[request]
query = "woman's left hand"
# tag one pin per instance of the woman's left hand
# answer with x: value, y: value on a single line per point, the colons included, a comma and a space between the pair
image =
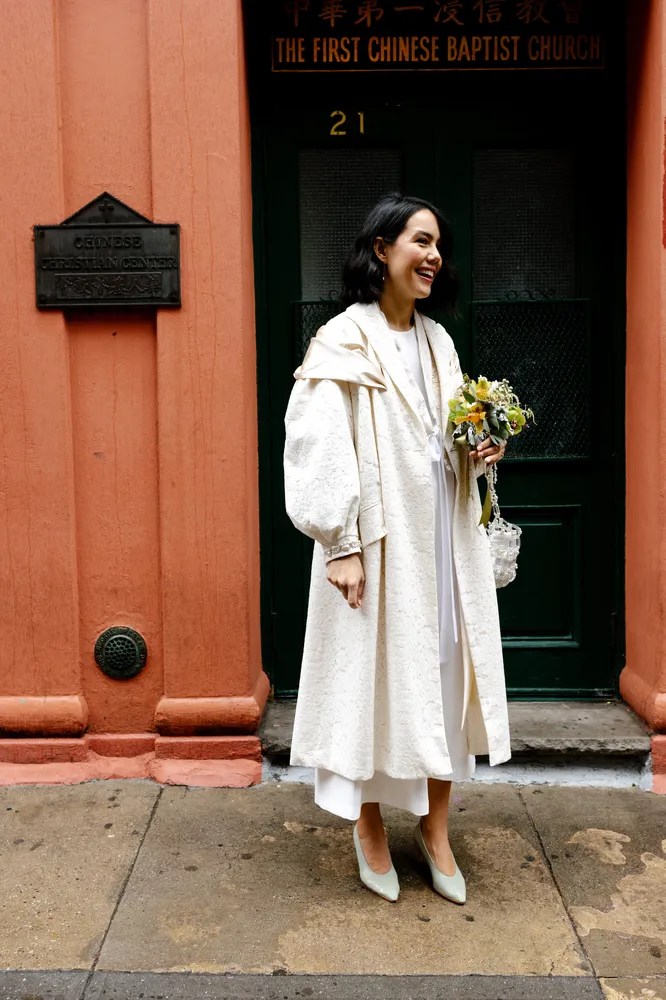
x: 490, y: 452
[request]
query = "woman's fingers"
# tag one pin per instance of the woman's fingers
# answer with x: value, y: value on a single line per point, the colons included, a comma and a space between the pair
x: 355, y: 593
x: 496, y: 454
x: 352, y: 595
x: 352, y: 591
x: 491, y: 453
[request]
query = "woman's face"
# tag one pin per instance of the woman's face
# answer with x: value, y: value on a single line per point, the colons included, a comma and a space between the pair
x: 413, y: 260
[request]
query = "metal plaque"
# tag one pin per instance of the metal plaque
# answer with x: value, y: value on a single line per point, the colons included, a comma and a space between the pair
x: 107, y: 255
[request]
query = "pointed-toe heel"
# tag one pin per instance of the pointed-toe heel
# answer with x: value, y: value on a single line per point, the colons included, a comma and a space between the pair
x: 385, y: 885
x: 450, y: 886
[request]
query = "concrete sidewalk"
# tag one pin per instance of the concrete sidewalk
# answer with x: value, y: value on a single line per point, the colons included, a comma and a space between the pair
x: 125, y: 889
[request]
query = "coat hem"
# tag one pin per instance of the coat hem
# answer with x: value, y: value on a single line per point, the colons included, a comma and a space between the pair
x: 300, y: 760
x: 495, y: 757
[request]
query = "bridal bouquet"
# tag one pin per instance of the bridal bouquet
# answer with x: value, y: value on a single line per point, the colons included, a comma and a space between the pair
x: 483, y: 409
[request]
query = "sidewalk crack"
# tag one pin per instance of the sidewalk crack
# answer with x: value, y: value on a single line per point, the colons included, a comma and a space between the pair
x: 121, y: 894
x: 571, y: 920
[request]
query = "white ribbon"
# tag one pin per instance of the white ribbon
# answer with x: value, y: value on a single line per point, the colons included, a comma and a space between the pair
x: 435, y: 445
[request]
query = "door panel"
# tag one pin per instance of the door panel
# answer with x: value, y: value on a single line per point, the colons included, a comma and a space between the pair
x: 552, y: 537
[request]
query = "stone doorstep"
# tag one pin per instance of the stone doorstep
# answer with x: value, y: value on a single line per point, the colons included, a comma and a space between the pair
x: 541, y: 732
x: 538, y: 729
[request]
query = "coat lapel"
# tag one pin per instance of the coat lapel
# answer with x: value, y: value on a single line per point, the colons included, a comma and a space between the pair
x: 370, y: 319
x: 446, y: 381
x: 426, y: 365
x: 447, y: 385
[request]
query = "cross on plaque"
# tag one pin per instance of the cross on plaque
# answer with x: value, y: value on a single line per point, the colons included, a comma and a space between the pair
x: 106, y: 207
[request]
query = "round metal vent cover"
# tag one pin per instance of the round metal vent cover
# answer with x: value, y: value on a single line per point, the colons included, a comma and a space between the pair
x: 120, y: 652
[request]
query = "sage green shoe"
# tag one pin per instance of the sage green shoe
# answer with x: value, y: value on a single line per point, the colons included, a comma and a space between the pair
x: 385, y: 885
x: 450, y: 886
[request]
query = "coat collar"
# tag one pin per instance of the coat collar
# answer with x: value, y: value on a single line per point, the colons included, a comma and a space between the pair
x: 324, y: 360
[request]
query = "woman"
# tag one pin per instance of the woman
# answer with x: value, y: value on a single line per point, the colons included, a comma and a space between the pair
x: 402, y: 679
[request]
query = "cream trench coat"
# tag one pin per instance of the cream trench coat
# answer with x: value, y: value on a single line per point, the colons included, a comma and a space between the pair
x: 358, y: 478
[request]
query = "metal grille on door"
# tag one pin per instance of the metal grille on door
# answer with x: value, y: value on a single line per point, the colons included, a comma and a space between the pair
x: 526, y: 318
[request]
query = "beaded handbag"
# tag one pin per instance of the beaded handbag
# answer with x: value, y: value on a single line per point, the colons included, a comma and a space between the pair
x: 503, y: 536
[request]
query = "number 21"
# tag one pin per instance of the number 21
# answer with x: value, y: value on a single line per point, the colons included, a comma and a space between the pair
x: 339, y: 119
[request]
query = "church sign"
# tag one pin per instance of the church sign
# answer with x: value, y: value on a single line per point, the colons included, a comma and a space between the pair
x: 364, y: 35
x: 107, y: 255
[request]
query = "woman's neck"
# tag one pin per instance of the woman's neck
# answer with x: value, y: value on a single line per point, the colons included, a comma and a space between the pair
x: 399, y: 313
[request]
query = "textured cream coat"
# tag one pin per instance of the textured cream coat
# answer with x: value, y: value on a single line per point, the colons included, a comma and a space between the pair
x: 358, y: 476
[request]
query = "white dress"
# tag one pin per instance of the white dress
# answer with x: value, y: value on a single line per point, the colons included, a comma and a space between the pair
x: 344, y: 797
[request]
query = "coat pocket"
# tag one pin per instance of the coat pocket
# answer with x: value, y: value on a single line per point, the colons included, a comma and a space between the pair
x: 371, y: 525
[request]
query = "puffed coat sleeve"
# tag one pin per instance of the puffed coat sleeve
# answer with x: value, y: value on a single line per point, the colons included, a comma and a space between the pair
x: 321, y: 476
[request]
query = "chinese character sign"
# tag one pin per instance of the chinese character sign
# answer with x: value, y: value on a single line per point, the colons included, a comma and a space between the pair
x: 361, y: 35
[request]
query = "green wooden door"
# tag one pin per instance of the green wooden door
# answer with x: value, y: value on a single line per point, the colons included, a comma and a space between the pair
x: 538, y: 225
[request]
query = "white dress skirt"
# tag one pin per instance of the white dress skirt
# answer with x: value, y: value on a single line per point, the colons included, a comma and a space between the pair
x: 344, y: 797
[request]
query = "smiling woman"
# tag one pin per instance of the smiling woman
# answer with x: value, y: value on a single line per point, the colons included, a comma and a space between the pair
x: 402, y: 678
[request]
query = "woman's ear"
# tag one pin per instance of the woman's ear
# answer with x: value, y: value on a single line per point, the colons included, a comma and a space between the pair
x: 380, y: 248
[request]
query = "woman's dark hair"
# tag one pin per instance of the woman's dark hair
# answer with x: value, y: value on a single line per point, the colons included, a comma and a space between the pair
x: 363, y: 272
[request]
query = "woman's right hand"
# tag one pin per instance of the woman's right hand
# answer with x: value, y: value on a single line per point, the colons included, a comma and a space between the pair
x: 348, y: 576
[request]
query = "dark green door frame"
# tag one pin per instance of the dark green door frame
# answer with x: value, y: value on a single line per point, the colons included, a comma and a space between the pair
x: 439, y: 147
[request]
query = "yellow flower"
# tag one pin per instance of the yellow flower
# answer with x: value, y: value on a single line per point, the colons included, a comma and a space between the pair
x: 483, y: 389
x: 475, y: 415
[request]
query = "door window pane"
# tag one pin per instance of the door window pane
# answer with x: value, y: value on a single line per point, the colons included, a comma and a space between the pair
x: 338, y: 187
x: 524, y: 224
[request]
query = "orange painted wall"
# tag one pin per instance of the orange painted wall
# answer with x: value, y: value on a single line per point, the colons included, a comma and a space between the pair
x: 39, y: 612
x: 105, y: 143
x: 643, y: 681
x: 206, y: 361
x: 128, y: 440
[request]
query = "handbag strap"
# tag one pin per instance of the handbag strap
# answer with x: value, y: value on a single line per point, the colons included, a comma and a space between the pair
x: 491, y: 503
x: 491, y: 479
